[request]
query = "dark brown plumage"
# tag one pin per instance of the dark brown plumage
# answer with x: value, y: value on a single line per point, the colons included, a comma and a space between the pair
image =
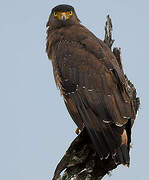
x: 92, y: 84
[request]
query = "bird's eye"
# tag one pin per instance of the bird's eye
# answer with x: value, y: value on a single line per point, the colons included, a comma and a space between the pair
x: 70, y: 12
x: 55, y: 13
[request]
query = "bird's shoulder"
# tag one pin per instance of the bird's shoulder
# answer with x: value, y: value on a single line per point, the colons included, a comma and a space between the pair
x: 79, y: 35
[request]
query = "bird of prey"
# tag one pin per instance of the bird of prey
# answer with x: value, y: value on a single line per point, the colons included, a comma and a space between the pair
x: 92, y: 84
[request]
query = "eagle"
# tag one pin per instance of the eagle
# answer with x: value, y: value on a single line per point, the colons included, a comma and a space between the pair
x: 92, y: 84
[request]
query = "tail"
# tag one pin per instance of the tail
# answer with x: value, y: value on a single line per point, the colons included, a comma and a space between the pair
x: 122, y: 155
x: 114, y: 143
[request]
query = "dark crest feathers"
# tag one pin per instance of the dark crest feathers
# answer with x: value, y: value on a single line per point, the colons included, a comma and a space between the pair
x: 63, y: 8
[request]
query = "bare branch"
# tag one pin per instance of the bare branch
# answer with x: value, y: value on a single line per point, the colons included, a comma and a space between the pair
x: 108, y: 32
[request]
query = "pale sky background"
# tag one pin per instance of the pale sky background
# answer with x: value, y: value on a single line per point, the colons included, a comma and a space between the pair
x: 35, y: 127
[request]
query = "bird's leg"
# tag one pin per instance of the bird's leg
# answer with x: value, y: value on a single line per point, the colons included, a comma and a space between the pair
x: 124, y: 137
x: 77, y: 131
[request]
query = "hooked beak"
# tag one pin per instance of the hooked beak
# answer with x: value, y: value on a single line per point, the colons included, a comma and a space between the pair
x: 63, y: 17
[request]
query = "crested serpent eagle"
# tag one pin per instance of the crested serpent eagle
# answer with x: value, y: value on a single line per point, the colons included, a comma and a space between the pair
x: 92, y: 84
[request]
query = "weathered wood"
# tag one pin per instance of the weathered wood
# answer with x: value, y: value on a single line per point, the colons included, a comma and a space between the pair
x: 80, y: 161
x: 108, y: 32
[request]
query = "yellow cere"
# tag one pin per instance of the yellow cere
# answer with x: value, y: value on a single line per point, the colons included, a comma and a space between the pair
x: 59, y: 15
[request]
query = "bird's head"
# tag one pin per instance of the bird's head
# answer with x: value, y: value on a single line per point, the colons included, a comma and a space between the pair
x: 62, y: 15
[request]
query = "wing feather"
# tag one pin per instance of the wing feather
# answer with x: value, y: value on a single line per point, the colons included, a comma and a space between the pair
x: 94, y: 90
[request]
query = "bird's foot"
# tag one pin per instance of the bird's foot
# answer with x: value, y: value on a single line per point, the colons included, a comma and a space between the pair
x: 77, y: 131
